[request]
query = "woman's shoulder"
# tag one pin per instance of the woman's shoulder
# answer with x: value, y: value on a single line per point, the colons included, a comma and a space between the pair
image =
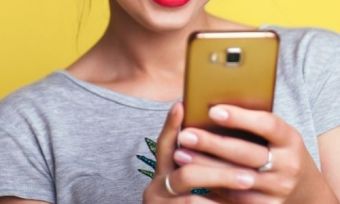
x: 303, y: 33
x: 313, y: 52
x: 31, y: 97
x: 307, y: 41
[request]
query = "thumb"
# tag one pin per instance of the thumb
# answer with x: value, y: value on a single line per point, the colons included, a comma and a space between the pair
x: 167, y: 141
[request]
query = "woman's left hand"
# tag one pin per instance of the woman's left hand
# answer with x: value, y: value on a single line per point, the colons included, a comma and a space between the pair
x: 293, y: 172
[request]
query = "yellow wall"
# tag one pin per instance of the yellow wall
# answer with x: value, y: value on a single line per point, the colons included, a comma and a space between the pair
x: 39, y: 36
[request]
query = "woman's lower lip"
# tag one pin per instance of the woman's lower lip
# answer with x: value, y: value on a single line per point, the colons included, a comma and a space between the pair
x: 171, y: 3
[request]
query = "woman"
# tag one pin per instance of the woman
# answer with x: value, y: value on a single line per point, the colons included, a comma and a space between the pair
x: 86, y: 135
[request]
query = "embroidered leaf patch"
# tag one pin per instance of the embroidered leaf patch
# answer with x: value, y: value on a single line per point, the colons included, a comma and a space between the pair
x: 147, y: 173
x: 147, y: 161
x: 152, y: 145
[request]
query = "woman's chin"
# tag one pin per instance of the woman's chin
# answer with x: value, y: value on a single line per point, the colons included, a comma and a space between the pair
x: 165, y: 26
x: 162, y: 22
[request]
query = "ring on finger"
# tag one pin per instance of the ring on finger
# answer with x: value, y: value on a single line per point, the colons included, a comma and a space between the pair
x: 168, y: 186
x: 269, y: 164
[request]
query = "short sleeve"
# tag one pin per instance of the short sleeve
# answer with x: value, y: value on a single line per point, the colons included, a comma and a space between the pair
x: 324, y: 83
x: 24, y: 172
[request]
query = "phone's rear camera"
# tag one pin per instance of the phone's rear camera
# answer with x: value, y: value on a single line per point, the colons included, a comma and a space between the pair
x: 233, y: 56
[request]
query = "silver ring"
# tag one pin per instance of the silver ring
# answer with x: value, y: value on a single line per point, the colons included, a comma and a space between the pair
x: 269, y: 164
x: 168, y: 186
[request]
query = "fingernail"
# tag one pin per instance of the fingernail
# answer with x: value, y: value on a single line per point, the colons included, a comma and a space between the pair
x: 245, y: 179
x: 218, y: 113
x: 187, y: 138
x: 182, y: 157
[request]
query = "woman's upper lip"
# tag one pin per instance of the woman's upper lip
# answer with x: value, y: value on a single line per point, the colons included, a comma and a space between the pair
x: 171, y: 3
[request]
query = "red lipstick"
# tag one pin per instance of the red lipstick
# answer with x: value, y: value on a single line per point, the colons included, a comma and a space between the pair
x: 171, y: 3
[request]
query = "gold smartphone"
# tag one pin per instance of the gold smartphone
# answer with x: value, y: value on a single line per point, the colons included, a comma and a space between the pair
x: 237, y: 68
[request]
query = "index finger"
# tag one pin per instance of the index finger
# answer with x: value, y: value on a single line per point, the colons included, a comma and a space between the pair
x: 261, y: 123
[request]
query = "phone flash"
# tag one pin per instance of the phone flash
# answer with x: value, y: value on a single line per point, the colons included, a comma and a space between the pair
x: 214, y: 58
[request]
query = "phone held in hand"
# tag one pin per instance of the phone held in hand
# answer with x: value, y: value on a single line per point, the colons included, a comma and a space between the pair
x: 236, y: 68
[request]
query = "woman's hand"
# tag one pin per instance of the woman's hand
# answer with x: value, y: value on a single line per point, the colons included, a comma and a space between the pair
x: 232, y: 175
x: 293, y: 178
x: 156, y: 192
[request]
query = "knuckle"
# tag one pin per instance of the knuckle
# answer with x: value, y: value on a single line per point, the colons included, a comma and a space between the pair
x: 271, y: 124
x: 287, y: 186
x: 294, y: 168
x: 297, y: 139
x: 274, y: 124
x: 294, y: 138
x: 185, y: 174
x: 263, y: 115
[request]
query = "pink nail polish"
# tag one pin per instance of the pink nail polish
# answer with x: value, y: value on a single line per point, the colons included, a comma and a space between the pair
x: 245, y: 180
x: 187, y: 138
x: 218, y: 113
x: 182, y: 157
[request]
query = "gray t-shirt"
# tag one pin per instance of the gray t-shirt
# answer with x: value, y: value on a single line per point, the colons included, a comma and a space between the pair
x: 65, y: 141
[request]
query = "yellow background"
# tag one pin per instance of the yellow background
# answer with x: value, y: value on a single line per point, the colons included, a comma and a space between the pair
x: 39, y: 36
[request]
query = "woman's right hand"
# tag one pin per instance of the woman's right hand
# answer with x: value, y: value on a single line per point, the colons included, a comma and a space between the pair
x: 156, y: 191
x: 186, y: 177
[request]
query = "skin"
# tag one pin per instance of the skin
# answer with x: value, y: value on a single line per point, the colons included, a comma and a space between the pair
x: 142, y: 54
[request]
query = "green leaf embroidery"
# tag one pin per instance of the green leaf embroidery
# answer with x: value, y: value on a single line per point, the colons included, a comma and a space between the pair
x: 152, y: 145
x: 147, y: 173
x: 152, y: 163
x: 147, y: 161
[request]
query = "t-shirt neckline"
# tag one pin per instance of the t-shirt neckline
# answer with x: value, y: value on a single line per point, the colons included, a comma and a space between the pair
x: 123, y: 99
x: 127, y: 100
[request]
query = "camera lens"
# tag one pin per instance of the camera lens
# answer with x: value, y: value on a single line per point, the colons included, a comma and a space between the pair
x: 233, y: 56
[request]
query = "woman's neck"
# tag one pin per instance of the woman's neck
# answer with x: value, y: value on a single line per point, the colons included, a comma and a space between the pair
x: 130, y: 56
x: 139, y: 49
x: 129, y: 48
